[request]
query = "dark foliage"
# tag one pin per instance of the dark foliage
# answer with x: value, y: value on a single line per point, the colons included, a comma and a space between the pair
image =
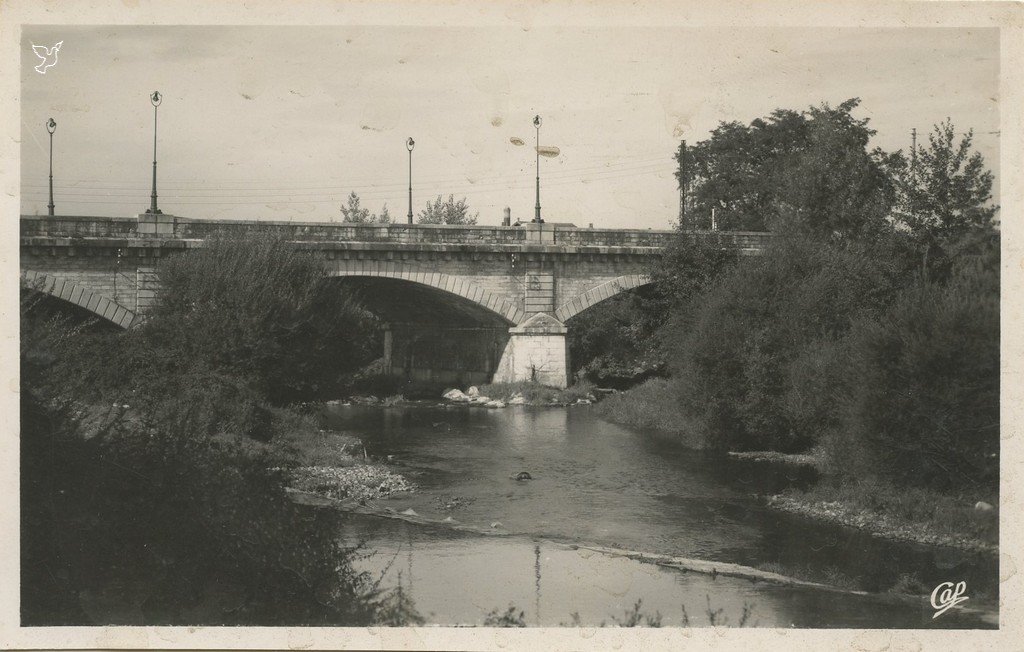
x: 921, y: 399
x: 618, y: 343
x: 269, y: 315
x: 753, y: 354
x: 147, y: 525
x: 152, y: 465
x: 808, y: 171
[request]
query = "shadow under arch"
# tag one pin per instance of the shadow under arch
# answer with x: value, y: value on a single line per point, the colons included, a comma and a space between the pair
x: 432, y: 334
x: 595, y: 295
x: 75, y: 294
x: 502, y: 307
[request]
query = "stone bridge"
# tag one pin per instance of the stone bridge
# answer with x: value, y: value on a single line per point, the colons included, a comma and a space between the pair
x: 462, y: 304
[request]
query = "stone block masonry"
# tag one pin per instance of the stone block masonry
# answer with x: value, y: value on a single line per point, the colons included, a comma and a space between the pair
x: 537, y: 351
x: 474, y: 301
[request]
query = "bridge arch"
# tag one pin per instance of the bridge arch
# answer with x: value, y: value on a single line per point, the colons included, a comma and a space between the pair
x: 75, y: 294
x: 503, y: 307
x: 595, y: 295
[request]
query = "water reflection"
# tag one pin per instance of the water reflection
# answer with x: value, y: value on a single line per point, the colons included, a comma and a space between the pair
x: 463, y: 578
x: 598, y: 483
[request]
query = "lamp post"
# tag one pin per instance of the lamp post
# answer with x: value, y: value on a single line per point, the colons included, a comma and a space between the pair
x: 536, y: 124
x: 51, y: 126
x: 409, y: 144
x: 155, y: 99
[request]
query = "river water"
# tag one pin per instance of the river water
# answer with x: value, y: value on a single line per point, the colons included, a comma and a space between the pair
x: 596, y: 484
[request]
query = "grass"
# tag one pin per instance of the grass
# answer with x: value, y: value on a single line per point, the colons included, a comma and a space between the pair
x: 312, y: 446
x: 537, y: 394
x: 904, y: 513
x: 652, y: 405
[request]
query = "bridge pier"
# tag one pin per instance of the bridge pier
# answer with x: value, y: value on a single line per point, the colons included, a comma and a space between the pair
x: 538, y: 351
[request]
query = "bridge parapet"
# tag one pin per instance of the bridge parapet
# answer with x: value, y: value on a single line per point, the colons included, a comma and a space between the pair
x: 67, y: 226
x: 169, y: 227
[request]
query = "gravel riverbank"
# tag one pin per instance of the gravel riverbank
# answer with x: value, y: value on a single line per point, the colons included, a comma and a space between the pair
x: 878, y: 524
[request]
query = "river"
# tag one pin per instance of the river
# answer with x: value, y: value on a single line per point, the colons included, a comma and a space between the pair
x: 598, y: 486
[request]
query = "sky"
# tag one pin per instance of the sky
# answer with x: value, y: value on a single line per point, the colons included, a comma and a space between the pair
x: 283, y: 122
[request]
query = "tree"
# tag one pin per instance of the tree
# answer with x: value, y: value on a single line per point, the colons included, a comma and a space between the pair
x: 943, y: 195
x: 354, y: 213
x: 806, y: 170
x: 449, y: 211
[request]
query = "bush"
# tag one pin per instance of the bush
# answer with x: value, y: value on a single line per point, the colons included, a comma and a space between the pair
x: 754, y: 360
x: 182, y: 481
x: 922, y: 401
x: 203, y: 522
x: 652, y: 405
x: 268, y: 314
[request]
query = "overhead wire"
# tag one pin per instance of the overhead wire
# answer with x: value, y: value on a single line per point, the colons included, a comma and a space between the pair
x: 198, y: 196
x: 198, y: 184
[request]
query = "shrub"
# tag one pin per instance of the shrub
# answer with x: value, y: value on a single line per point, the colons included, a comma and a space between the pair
x: 652, y: 405
x: 922, y: 401
x: 755, y: 359
x: 267, y: 314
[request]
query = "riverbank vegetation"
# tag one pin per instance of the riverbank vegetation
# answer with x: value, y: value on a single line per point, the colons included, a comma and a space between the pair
x: 866, y: 336
x: 156, y: 462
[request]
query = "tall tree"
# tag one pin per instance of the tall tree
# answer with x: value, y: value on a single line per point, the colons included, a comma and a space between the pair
x: 810, y: 170
x: 943, y: 195
x: 447, y: 211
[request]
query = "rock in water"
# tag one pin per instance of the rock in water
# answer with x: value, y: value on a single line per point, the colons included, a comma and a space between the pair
x: 494, y: 404
x: 497, y: 524
x: 473, y: 392
x: 409, y: 512
x: 523, y: 475
x: 982, y: 506
x: 517, y: 399
x: 456, y: 395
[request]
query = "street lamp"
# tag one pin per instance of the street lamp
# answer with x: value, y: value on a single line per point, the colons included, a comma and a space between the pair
x: 409, y: 144
x: 536, y: 124
x: 155, y: 98
x: 51, y: 126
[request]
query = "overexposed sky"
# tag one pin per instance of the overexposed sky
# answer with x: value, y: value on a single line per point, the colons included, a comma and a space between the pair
x: 282, y: 122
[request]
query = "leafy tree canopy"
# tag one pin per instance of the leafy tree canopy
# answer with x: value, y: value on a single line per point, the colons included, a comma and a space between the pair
x: 807, y: 170
x: 943, y: 196
x: 354, y: 212
x: 447, y: 211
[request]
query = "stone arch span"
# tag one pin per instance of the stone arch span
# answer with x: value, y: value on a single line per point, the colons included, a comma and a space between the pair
x: 595, y: 295
x: 75, y: 294
x: 503, y: 307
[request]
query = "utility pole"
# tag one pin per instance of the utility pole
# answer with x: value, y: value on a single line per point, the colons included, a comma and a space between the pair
x: 913, y: 149
x: 683, y: 182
